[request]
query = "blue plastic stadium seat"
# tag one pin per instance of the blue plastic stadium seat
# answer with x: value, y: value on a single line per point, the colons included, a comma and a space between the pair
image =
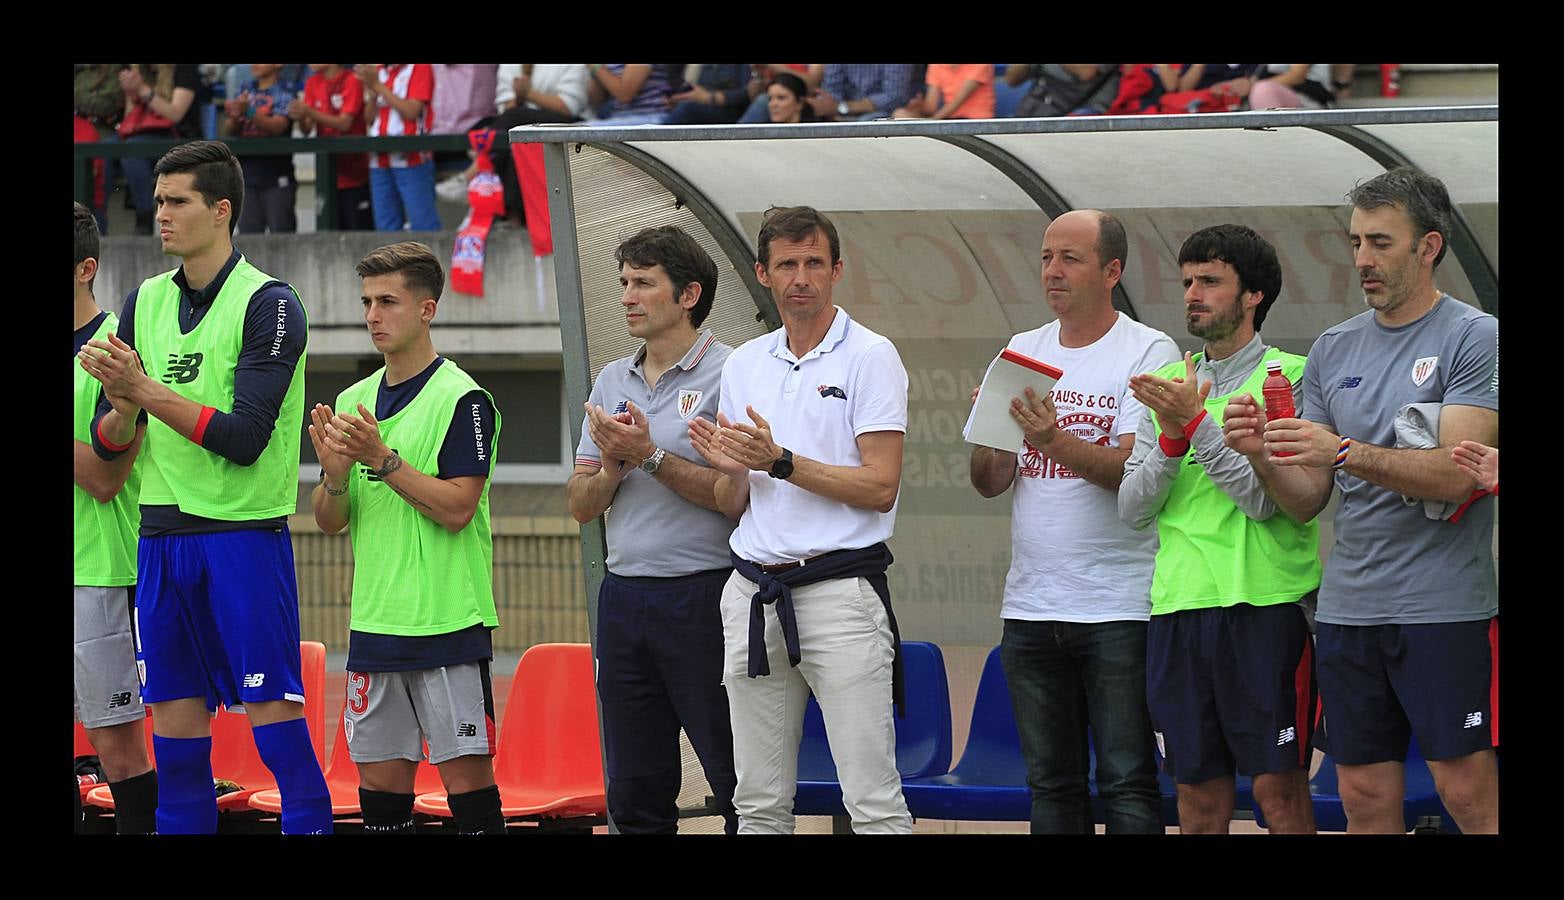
x: 989, y: 783
x: 923, y: 742
x: 1421, y: 801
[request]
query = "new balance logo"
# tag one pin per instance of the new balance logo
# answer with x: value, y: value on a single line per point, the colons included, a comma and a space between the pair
x: 1474, y: 720
x: 1350, y: 381
x: 120, y: 699
x: 182, y: 369
x: 467, y: 729
x: 254, y: 680
x: 1288, y: 735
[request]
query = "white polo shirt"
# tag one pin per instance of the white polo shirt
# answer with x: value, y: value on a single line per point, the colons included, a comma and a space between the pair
x: 851, y: 384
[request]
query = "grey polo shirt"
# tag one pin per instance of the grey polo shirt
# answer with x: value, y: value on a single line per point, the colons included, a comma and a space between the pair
x: 1392, y: 564
x: 653, y: 532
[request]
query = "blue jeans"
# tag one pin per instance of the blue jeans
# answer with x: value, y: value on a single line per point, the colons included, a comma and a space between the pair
x: 139, y: 181
x: 759, y: 112
x: 1062, y: 676
x: 409, y: 190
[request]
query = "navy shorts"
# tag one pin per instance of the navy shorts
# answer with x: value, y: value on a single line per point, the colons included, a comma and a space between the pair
x: 1383, y: 683
x: 217, y: 617
x: 1231, y: 687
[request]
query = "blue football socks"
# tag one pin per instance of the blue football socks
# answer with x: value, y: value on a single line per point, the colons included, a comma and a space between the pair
x: 285, y: 748
x: 186, y: 799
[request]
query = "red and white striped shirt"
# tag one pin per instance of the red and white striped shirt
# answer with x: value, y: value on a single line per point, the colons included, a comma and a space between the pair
x: 410, y: 82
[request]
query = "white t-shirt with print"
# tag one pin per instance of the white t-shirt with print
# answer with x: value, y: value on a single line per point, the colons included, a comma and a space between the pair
x: 1071, y: 558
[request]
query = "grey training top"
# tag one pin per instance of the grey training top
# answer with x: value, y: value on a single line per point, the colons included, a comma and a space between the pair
x: 1149, y: 473
x: 1392, y: 564
x: 652, y: 531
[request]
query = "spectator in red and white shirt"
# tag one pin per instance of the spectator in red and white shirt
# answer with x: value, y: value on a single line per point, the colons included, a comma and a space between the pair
x: 398, y: 100
x: 333, y: 104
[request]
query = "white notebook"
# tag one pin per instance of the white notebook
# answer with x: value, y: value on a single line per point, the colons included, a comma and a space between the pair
x: 1009, y: 375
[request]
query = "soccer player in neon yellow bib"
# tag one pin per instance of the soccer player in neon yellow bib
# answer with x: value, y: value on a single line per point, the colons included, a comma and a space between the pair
x: 108, y: 693
x: 406, y: 460
x: 217, y: 606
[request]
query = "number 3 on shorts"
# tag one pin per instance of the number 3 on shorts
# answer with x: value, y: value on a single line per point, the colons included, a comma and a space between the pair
x: 358, y: 692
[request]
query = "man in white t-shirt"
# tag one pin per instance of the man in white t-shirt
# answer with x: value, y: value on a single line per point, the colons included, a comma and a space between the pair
x: 808, y: 439
x: 1077, y: 597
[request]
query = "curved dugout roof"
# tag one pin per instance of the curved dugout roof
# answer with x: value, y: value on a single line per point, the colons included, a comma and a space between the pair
x: 941, y: 224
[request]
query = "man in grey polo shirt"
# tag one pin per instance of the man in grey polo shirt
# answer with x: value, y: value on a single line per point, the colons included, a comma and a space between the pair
x: 659, y: 626
x: 1408, y: 634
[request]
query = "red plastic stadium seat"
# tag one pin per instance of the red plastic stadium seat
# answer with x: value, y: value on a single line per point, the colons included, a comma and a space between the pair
x: 342, y: 780
x: 549, y: 759
x: 234, y: 756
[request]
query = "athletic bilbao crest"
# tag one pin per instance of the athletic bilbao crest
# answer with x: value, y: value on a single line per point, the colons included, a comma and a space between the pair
x: 688, y: 400
x: 1424, y: 368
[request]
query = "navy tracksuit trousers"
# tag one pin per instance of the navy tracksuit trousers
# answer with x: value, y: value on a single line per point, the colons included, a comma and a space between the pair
x: 659, y: 668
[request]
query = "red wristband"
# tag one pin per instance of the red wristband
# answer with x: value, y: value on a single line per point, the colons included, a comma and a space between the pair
x: 108, y: 443
x: 1174, y: 449
x: 1189, y: 430
x: 199, y: 433
x: 1180, y: 446
x: 1495, y: 489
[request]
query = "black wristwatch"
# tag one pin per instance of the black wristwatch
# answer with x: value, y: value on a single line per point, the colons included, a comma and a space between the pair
x: 783, y: 467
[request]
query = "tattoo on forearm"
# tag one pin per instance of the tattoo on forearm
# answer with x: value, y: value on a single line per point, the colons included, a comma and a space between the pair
x: 409, y: 497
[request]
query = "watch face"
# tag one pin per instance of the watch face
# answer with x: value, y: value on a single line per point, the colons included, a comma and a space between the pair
x: 783, y: 467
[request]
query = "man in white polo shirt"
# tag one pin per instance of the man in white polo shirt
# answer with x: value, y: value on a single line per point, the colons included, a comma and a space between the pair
x: 813, y: 475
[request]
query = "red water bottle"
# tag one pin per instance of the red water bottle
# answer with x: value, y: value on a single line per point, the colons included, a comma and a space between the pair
x: 1278, y: 395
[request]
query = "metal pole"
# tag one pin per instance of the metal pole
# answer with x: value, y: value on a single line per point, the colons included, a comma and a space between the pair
x: 578, y: 380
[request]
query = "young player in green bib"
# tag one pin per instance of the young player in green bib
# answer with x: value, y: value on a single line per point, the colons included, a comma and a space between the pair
x: 213, y: 354
x: 108, y: 692
x: 406, y: 460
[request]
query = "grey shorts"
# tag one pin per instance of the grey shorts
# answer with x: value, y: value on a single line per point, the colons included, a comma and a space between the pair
x: 108, y: 688
x: 390, y: 715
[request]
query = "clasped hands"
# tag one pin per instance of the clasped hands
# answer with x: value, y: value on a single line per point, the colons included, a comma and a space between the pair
x: 624, y: 437
x: 117, y: 367
x: 342, y: 439
x: 735, y: 448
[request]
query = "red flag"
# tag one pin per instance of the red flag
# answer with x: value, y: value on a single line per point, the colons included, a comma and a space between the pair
x: 534, y: 195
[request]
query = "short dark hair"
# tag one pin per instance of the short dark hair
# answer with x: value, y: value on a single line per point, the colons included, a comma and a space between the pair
x: 218, y: 175
x: 1251, y: 256
x: 1112, y: 242
x: 1420, y: 195
x: 86, y: 234
x: 681, y: 257
x: 794, y: 223
x: 419, y: 266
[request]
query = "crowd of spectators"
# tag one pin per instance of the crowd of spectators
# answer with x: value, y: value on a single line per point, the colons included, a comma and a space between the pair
x: 390, y: 191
